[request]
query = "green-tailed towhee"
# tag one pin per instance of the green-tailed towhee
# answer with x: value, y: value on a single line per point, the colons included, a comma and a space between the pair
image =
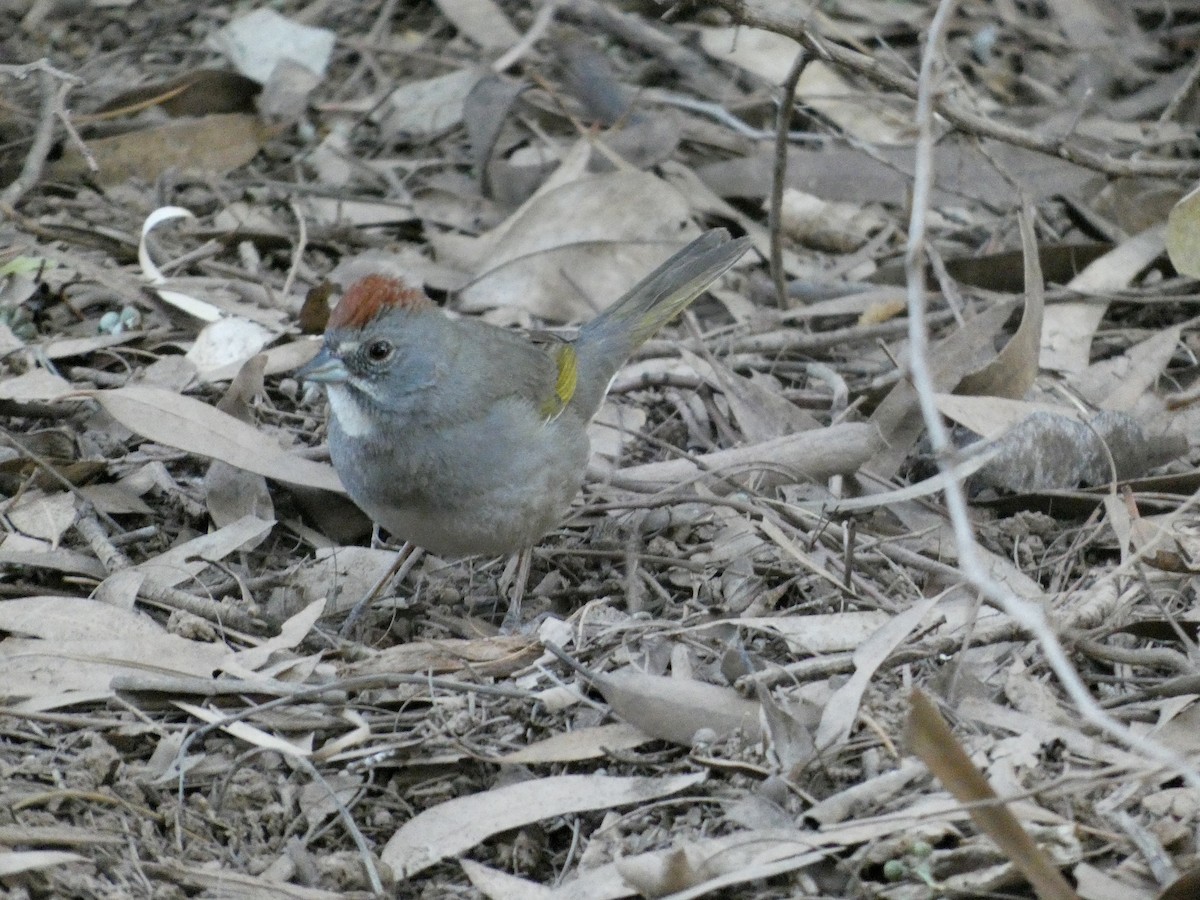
x: 464, y: 438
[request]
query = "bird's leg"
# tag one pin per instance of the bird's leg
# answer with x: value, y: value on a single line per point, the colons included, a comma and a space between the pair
x: 407, y: 557
x: 512, y: 619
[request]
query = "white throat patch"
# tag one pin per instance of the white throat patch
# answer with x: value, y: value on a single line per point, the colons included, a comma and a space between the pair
x: 346, y: 409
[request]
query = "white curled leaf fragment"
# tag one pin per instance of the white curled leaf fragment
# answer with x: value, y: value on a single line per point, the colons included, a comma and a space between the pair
x: 227, y: 343
x: 183, y: 302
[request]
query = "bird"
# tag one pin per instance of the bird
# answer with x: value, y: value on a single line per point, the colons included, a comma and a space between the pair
x: 465, y: 438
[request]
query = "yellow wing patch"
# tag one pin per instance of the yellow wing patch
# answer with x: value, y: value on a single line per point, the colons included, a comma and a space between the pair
x: 567, y: 365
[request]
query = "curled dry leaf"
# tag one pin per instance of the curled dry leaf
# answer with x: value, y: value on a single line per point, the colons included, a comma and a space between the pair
x: 1012, y: 371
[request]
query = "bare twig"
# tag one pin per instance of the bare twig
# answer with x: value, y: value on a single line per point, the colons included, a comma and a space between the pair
x: 114, y: 560
x: 538, y: 28
x: 1026, y: 614
x: 39, y: 149
x: 298, y: 251
x: 779, y: 175
x: 790, y: 20
x: 54, y: 84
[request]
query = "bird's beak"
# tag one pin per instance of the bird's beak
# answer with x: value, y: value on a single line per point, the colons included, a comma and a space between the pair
x: 325, y: 368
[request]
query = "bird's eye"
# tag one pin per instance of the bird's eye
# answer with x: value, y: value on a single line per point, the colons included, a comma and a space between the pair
x: 380, y: 351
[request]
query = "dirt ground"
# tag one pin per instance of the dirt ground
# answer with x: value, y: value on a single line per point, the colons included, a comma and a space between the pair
x: 765, y: 655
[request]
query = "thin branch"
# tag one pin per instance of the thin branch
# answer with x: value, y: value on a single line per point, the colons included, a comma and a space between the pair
x: 789, y: 20
x: 39, y: 149
x: 1028, y: 615
x: 779, y: 174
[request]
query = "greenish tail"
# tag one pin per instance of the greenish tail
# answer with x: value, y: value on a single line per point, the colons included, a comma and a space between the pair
x: 608, y: 340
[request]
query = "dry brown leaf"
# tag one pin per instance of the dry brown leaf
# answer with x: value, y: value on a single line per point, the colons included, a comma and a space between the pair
x: 482, y: 21
x: 201, y: 92
x: 842, y: 710
x: 457, y: 825
x: 230, y: 493
x: 1069, y: 327
x: 497, y: 885
x: 770, y: 55
x: 15, y: 862
x: 341, y: 575
x: 982, y: 170
x: 818, y: 634
x: 420, y: 110
x: 77, y: 646
x: 574, y: 248
x: 825, y: 225
x: 56, y: 560
x: 807, y: 456
x: 42, y: 516
x: 674, y: 709
x: 36, y: 384
x: 1121, y: 381
x: 701, y: 868
x: 990, y: 417
x: 583, y: 743
x: 244, y: 731
x: 293, y: 631
x: 1014, y: 368
x: 195, y: 427
x: 1183, y: 235
x: 787, y: 734
x: 187, y: 559
x: 898, y: 417
x: 761, y: 413
x: 1093, y: 884
x: 491, y: 657
x: 219, y: 144
x: 928, y: 735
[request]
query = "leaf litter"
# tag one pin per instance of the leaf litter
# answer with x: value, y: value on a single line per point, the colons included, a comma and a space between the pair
x: 779, y: 683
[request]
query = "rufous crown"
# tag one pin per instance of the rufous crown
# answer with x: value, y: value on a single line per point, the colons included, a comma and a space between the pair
x: 372, y: 295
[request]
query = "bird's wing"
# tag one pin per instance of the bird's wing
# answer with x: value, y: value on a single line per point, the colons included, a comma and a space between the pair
x: 542, y: 374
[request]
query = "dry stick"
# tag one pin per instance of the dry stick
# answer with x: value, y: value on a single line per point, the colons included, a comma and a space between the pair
x: 695, y: 70
x: 790, y: 20
x: 55, y: 84
x: 1029, y: 615
x: 361, y: 682
x: 783, y: 122
x: 114, y: 560
x: 298, y: 251
x: 81, y: 498
x: 31, y: 171
x: 540, y: 25
x: 364, y: 852
x: 1185, y: 90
